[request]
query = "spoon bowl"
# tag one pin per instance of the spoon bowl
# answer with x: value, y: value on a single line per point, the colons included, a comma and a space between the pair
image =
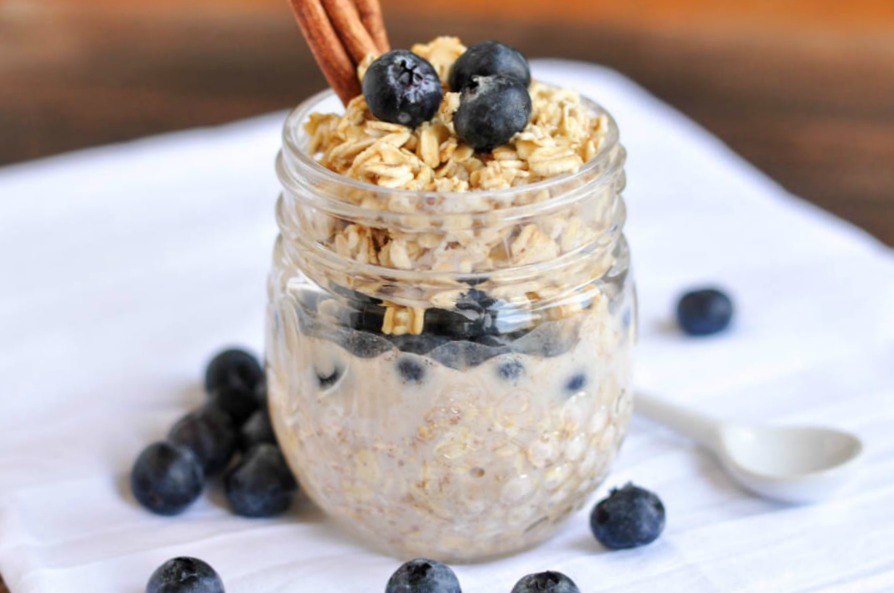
x: 794, y: 464
x: 789, y: 463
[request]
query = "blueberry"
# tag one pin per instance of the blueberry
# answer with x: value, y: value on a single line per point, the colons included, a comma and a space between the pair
x: 549, y: 339
x: 423, y: 576
x: 486, y: 59
x: 545, y: 582
x: 237, y: 402
x: 260, y: 392
x: 328, y: 380
x: 233, y: 368
x: 185, y: 575
x: 364, y: 344
x: 462, y: 354
x: 631, y: 516
x: 492, y: 109
x: 262, y: 484
x: 410, y: 370
x: 704, y: 312
x: 209, y: 433
x: 166, y: 478
x: 576, y: 383
x: 511, y: 370
x: 367, y: 317
x: 402, y: 88
x: 422, y: 344
x: 256, y: 430
x: 474, y: 315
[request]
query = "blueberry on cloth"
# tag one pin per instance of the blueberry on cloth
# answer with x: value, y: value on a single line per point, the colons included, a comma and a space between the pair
x: 486, y: 59
x: 262, y: 484
x: 256, y: 430
x: 260, y: 392
x: 704, y: 312
x: 545, y: 582
x: 629, y: 517
x: 492, y: 109
x: 402, y: 88
x: 423, y: 576
x: 166, y: 478
x: 237, y: 402
x: 209, y: 433
x: 185, y: 575
x: 233, y: 367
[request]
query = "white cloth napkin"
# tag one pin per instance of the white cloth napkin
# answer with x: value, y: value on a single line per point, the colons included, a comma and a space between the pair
x: 124, y: 268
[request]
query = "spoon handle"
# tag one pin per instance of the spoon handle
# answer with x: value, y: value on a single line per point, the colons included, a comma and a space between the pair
x: 698, y: 427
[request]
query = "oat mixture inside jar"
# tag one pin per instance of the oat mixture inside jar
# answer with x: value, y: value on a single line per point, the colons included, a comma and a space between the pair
x: 450, y: 329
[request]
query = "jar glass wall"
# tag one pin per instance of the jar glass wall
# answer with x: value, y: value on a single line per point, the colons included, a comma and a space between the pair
x: 449, y: 374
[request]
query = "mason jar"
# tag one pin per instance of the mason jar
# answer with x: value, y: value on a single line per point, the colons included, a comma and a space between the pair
x: 449, y: 373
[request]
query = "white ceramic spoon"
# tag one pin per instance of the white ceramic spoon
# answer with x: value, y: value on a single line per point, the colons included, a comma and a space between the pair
x: 786, y: 463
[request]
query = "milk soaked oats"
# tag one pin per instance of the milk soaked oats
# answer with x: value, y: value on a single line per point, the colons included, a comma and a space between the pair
x: 450, y: 332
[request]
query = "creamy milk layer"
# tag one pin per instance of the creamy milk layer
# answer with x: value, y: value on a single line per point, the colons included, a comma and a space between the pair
x: 421, y: 458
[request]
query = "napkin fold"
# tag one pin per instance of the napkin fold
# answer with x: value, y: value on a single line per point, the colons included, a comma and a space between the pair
x: 126, y: 267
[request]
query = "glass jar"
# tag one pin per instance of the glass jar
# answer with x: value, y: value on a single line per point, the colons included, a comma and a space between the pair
x: 449, y: 374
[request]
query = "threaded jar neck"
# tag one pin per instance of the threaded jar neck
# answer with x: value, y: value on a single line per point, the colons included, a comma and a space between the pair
x: 414, y: 248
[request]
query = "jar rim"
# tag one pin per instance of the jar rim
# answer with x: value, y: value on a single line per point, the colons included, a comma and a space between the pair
x: 293, y: 126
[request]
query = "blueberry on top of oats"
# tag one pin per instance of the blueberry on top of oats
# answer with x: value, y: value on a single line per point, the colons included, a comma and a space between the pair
x: 486, y: 59
x: 492, y: 109
x: 401, y: 87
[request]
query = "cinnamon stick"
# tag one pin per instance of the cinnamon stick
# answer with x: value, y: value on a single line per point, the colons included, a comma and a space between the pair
x: 346, y: 20
x: 371, y: 16
x: 327, y: 48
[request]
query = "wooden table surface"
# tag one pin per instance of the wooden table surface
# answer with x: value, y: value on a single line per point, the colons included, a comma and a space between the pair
x: 804, y: 93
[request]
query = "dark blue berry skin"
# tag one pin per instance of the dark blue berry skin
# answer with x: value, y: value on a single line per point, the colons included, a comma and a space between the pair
x: 474, y: 315
x: 462, y: 354
x: 511, y: 370
x: 364, y: 344
x: 262, y: 484
x: 233, y: 367
x: 237, y: 402
x: 486, y: 59
x: 548, y: 339
x: 492, y: 110
x: 423, y: 576
x: 327, y: 380
x: 630, y: 517
x: 545, y: 582
x: 256, y: 430
x: 166, y: 478
x: 704, y: 312
x: 209, y: 433
x: 576, y: 383
x: 410, y: 370
x: 185, y: 575
x: 367, y: 317
x: 422, y: 344
x: 402, y: 88
x: 260, y: 393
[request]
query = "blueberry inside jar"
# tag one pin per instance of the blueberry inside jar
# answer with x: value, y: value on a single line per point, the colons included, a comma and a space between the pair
x: 449, y: 340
